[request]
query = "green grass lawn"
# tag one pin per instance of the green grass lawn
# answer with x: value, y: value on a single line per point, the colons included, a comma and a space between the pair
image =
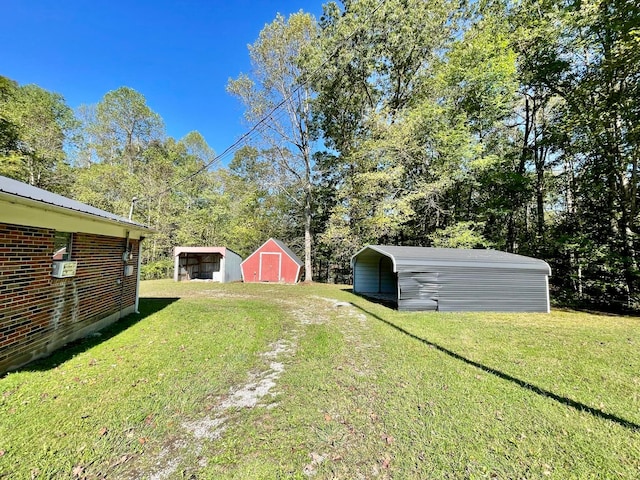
x: 271, y: 381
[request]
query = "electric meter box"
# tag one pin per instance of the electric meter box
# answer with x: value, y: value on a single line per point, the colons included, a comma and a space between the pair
x: 64, y: 269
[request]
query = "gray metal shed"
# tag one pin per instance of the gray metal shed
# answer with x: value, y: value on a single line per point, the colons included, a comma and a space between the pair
x: 451, y: 279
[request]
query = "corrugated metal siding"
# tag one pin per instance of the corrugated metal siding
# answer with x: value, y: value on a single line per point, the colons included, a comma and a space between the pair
x: 486, y: 289
x: 232, y: 272
x: 365, y: 274
x: 388, y: 282
x: 473, y: 289
x: 418, y: 291
x: 511, y: 283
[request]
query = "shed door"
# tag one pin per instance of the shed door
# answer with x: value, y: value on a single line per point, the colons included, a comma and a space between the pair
x: 270, y: 267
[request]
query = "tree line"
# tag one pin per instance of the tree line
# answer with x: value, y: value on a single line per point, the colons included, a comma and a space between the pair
x: 511, y: 125
x: 115, y: 155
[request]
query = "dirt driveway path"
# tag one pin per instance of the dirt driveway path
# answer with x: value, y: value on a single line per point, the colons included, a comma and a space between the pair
x: 190, y: 440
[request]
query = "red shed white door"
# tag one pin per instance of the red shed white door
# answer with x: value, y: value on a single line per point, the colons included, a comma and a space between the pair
x: 270, y: 266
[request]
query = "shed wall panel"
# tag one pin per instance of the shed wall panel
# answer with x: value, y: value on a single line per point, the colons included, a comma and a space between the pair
x: 387, y: 278
x: 485, y: 289
x: 232, y: 272
x: 455, y: 281
x: 365, y: 275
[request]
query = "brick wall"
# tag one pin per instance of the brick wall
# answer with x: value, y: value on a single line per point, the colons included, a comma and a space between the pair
x: 39, y: 313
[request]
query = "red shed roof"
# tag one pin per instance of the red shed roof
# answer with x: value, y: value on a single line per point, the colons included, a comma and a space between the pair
x: 288, y: 251
x: 284, y: 248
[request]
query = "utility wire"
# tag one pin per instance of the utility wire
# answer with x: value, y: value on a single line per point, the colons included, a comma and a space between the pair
x: 268, y: 116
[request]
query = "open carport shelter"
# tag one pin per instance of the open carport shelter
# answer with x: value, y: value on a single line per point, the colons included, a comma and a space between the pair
x: 218, y: 264
x: 452, y: 280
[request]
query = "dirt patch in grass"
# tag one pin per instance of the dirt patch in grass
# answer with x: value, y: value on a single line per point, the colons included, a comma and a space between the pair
x: 255, y: 392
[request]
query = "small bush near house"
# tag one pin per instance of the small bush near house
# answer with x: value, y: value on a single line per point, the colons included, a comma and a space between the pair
x: 157, y: 270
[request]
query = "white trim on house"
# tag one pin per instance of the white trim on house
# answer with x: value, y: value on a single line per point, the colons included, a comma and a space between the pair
x: 138, y: 277
x: 23, y: 204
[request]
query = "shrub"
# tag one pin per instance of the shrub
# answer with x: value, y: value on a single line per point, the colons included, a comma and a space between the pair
x: 157, y: 269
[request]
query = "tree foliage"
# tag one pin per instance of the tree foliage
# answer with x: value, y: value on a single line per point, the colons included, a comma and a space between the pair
x: 34, y: 126
x: 508, y: 124
x: 278, y: 95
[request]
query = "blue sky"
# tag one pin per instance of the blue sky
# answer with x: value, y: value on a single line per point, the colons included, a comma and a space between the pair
x: 179, y: 54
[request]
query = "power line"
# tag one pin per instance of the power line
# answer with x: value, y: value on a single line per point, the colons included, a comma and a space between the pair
x: 268, y: 116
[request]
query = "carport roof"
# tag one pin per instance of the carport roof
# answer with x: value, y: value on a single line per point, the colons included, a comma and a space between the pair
x: 404, y: 258
x: 201, y: 250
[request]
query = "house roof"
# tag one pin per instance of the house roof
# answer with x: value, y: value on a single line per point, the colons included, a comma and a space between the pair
x: 14, y: 191
x: 406, y: 257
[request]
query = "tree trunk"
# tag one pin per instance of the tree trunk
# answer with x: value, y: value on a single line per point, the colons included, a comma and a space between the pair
x: 540, y: 162
x: 308, y: 272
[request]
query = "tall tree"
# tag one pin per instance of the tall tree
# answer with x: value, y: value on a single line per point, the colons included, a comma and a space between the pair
x: 255, y: 208
x: 585, y: 54
x: 379, y: 63
x: 117, y: 133
x: 120, y: 127
x: 36, y: 126
x: 277, y: 88
x: 9, y: 136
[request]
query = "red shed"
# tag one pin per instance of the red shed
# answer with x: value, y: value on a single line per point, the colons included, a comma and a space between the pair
x: 272, y: 262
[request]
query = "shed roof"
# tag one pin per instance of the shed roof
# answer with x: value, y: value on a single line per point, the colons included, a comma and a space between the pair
x: 14, y: 190
x: 404, y: 258
x: 204, y: 250
x: 288, y: 251
x: 283, y: 247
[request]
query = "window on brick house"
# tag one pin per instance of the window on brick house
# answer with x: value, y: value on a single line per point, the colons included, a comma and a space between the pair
x: 62, y: 246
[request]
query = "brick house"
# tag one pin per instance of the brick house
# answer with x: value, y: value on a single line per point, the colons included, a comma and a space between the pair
x: 66, y: 270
